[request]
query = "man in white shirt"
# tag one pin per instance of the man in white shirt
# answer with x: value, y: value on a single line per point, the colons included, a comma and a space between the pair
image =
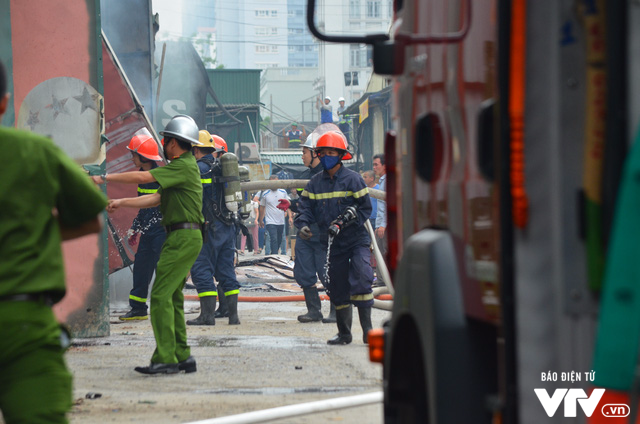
x: 271, y: 218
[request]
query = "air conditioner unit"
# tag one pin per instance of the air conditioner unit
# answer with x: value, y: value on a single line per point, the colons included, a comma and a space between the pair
x: 248, y: 152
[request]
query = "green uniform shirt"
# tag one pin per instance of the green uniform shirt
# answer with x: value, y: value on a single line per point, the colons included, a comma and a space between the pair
x: 37, y: 177
x: 181, y: 190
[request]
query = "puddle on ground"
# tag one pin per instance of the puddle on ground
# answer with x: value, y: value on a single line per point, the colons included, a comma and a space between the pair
x: 277, y: 319
x: 263, y: 342
x: 278, y: 391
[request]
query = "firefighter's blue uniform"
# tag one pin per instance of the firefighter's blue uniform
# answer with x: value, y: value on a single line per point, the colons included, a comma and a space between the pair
x: 322, y: 201
x: 218, y: 251
x: 311, y: 254
x: 152, y: 236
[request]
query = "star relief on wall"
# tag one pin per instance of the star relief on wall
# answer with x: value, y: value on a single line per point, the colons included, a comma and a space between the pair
x: 87, y: 100
x: 58, y: 106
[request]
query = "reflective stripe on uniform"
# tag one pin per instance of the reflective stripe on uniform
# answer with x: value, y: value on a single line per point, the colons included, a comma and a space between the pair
x: 205, y: 180
x: 336, y: 194
x: 147, y: 190
x: 209, y: 293
x: 339, y: 307
x: 361, y: 297
x: 231, y: 292
x: 137, y: 299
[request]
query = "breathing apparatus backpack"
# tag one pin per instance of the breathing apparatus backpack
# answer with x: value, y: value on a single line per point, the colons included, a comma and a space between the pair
x: 225, y: 183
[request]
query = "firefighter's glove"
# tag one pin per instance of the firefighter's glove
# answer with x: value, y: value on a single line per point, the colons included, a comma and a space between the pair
x: 283, y: 204
x: 132, y: 237
x: 305, y: 233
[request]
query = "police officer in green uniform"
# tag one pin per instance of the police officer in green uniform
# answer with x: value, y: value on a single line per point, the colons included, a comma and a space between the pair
x: 180, y: 200
x: 44, y: 198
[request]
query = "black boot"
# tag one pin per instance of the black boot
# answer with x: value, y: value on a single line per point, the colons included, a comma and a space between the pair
x: 364, y: 313
x: 344, y: 318
x: 311, y: 298
x: 232, y: 305
x: 188, y: 365
x: 207, y: 312
x: 332, y: 314
x: 159, y: 369
x: 222, y: 311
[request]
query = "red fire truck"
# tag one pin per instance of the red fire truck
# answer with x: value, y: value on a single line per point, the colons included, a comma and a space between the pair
x: 511, y: 125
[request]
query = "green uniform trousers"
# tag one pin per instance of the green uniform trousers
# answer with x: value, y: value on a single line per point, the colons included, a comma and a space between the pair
x: 179, y: 252
x: 35, y: 384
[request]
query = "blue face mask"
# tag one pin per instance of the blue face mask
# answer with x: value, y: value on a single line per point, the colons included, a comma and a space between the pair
x: 329, y: 162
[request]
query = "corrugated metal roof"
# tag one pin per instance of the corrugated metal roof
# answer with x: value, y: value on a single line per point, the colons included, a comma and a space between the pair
x: 235, y: 86
x: 283, y: 157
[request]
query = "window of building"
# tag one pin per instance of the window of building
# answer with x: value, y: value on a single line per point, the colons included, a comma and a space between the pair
x: 374, y: 8
x: 354, y: 8
x: 265, y: 65
x: 262, y: 13
x: 266, y: 31
x: 274, y: 13
x: 261, y: 48
x: 358, y: 56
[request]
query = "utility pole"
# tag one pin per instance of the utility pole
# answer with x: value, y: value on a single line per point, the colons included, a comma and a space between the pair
x: 271, y: 118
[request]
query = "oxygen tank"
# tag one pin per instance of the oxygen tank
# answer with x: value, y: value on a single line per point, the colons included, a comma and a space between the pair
x: 232, y: 194
x: 245, y: 176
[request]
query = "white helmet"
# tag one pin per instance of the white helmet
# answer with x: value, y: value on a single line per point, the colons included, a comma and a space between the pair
x: 311, y: 141
x: 327, y: 98
x: 341, y: 99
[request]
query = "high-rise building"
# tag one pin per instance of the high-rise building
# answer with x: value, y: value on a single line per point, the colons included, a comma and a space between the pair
x: 303, y: 49
x: 252, y: 34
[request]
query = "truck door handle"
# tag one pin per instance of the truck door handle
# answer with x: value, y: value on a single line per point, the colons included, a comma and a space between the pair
x: 486, y: 138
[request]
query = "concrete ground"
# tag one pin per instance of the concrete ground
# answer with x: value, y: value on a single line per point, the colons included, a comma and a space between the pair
x: 269, y: 360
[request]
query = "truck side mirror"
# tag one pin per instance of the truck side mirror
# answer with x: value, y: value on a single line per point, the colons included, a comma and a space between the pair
x: 388, y: 58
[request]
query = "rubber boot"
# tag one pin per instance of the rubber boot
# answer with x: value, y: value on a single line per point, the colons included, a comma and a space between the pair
x: 222, y: 311
x: 232, y: 306
x: 364, y: 313
x: 344, y: 318
x: 311, y: 298
x: 332, y: 314
x: 207, y: 312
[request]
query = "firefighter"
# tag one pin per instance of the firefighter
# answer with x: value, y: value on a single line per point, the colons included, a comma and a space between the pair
x: 223, y: 248
x: 310, y: 255
x: 146, y: 225
x: 180, y: 201
x: 338, y: 201
x: 202, y: 269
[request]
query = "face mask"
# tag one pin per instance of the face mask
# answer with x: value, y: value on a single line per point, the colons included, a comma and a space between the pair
x: 329, y: 162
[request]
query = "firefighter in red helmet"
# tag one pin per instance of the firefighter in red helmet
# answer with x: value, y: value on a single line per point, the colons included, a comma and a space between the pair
x: 337, y: 199
x: 147, y: 226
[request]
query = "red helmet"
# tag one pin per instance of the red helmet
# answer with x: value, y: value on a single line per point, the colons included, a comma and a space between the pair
x: 143, y: 144
x: 335, y: 140
x: 221, y: 145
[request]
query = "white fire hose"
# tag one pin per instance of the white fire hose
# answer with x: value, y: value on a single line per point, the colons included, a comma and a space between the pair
x: 286, y: 184
x: 281, y: 412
